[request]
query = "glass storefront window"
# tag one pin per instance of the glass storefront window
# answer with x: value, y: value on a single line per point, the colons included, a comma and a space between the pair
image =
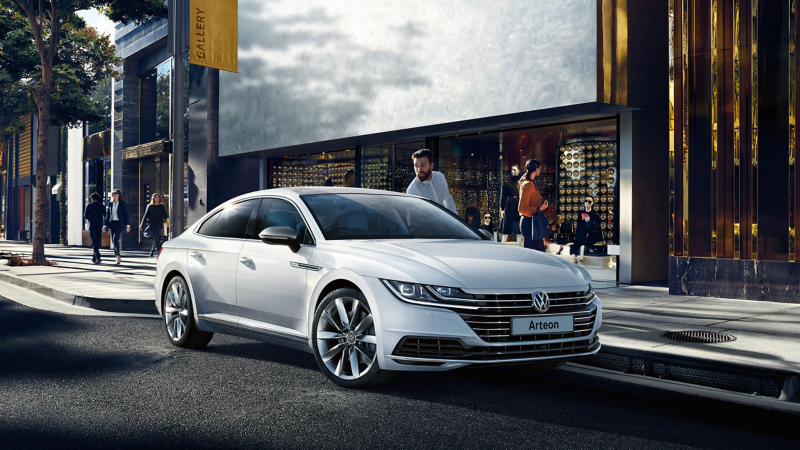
x: 404, y: 166
x: 155, y: 104
x: 321, y: 169
x: 470, y: 166
x: 375, y: 168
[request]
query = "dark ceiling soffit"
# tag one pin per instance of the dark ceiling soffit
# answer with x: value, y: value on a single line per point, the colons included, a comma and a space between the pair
x: 571, y: 113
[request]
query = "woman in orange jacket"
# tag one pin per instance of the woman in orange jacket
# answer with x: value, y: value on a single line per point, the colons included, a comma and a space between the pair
x: 530, y: 203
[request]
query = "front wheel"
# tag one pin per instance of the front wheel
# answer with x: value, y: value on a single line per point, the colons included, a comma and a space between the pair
x: 179, y: 317
x: 345, y: 345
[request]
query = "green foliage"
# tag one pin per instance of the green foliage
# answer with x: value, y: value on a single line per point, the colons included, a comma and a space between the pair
x: 84, y: 59
x: 102, y: 100
x: 62, y: 191
x: 18, y: 60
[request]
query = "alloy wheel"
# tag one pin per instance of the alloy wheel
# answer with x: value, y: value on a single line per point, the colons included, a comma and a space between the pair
x: 346, y: 338
x: 176, y: 311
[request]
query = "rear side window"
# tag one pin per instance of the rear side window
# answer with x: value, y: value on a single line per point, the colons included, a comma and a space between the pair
x: 230, y: 222
x: 280, y: 213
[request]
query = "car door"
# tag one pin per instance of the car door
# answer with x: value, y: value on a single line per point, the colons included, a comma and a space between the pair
x: 212, y: 260
x: 271, y: 279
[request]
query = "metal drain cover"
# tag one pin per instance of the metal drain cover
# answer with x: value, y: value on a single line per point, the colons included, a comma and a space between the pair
x: 700, y: 337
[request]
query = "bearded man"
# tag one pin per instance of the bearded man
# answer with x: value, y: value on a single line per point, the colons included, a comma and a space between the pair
x: 429, y: 183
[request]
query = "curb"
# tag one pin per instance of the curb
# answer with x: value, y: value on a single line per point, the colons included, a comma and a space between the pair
x: 101, y: 304
x: 780, y: 383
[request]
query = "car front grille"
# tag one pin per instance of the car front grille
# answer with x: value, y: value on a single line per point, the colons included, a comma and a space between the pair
x: 521, y: 303
x: 454, y: 349
x: 495, y: 327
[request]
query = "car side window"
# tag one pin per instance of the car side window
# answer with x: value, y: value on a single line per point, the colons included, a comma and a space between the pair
x: 208, y: 224
x: 230, y: 222
x: 275, y: 212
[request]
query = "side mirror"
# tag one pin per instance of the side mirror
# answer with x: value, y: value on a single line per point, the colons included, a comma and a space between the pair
x: 486, y: 234
x: 280, y: 236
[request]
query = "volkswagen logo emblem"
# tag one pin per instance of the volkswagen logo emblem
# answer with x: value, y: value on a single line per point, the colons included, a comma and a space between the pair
x: 541, y: 302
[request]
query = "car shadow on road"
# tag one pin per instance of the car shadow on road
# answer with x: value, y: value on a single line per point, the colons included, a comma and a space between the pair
x: 260, y: 351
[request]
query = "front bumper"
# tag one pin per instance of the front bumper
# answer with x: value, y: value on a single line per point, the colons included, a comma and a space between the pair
x: 429, y: 338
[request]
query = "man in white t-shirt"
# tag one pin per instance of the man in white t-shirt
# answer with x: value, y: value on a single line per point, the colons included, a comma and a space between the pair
x: 429, y: 183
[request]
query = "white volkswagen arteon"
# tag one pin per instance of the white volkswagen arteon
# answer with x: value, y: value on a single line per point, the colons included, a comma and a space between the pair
x: 371, y: 282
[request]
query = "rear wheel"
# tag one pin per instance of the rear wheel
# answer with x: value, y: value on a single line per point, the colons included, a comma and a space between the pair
x: 179, y: 317
x: 345, y: 345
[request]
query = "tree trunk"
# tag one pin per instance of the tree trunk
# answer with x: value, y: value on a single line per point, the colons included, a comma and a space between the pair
x: 42, y: 95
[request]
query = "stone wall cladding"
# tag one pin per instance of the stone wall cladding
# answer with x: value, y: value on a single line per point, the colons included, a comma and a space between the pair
x: 772, y: 281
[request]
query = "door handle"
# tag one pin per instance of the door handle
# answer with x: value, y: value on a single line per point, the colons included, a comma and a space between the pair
x: 245, y: 260
x: 196, y: 255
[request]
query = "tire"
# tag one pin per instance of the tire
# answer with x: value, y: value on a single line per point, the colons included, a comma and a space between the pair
x: 178, y: 314
x: 542, y: 366
x: 337, y: 340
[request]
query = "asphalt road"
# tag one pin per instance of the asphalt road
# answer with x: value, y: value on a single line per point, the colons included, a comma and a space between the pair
x: 115, y: 382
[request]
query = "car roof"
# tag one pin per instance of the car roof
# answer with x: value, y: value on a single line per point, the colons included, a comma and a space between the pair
x: 296, y: 192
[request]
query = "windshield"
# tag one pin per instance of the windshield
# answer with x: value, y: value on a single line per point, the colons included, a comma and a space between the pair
x: 372, y: 216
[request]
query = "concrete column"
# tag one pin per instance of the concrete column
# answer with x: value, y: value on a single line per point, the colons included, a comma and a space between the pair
x: 643, y: 197
x: 199, y: 201
x: 75, y: 186
x: 124, y: 118
x: 263, y: 173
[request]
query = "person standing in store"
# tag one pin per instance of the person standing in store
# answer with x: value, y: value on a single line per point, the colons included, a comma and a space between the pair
x: 588, y: 231
x: 95, y: 213
x: 487, y: 224
x: 472, y: 217
x: 429, y: 183
x: 155, y: 215
x: 116, y: 219
x: 509, y: 201
x: 530, y: 203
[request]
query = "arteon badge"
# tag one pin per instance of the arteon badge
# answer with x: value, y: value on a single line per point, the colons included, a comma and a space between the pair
x: 541, y: 302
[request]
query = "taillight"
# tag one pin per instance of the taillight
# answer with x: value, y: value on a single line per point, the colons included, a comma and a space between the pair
x: 159, y: 253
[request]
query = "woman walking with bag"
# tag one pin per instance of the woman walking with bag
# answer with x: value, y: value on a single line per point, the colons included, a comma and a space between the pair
x: 530, y: 205
x: 116, y: 220
x: 154, y: 216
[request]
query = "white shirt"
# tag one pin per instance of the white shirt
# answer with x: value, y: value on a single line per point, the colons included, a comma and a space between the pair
x: 434, y: 189
x: 114, y: 211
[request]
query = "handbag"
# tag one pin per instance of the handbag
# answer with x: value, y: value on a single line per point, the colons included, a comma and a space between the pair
x: 147, y: 233
x: 540, y: 225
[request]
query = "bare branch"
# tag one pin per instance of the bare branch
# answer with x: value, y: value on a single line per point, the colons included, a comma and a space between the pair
x: 36, y: 27
x: 55, y: 29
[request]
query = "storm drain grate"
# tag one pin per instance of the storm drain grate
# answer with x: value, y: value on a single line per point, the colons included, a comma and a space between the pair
x: 700, y: 337
x: 767, y: 386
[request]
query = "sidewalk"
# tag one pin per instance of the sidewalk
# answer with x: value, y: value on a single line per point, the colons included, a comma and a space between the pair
x: 75, y: 280
x: 764, y: 358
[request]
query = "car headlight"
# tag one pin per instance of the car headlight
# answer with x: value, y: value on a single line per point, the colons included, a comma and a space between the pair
x: 419, y: 293
x: 410, y: 291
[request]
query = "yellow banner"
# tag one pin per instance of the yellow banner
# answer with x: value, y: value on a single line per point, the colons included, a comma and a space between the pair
x: 213, y: 32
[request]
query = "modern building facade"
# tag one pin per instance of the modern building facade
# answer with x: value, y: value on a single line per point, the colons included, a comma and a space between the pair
x: 733, y: 169
x: 18, y: 190
x: 343, y: 95
x: 132, y: 155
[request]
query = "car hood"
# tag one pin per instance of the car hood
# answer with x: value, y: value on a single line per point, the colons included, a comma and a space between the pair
x: 469, y: 263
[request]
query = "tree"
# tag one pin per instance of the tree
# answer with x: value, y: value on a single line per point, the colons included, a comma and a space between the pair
x: 49, y: 20
x: 17, y: 62
x: 102, y: 99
